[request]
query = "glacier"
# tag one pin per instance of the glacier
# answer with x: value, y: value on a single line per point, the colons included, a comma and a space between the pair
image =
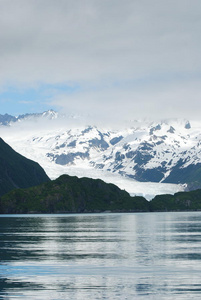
x: 143, y: 157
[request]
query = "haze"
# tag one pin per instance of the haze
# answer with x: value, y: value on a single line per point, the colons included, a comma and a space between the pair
x: 113, y: 60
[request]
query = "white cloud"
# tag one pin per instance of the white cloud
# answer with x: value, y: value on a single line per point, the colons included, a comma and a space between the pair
x: 175, y: 100
x: 97, y: 43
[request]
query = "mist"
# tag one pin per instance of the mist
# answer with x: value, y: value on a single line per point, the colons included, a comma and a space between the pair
x: 127, y: 60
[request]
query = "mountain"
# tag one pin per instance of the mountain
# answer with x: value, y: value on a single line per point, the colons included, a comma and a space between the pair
x: 17, y: 171
x: 7, y: 120
x: 168, y: 151
x: 71, y: 195
x: 183, y: 201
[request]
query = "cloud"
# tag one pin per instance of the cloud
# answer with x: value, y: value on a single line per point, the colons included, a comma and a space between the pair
x: 137, y: 54
x: 152, y: 101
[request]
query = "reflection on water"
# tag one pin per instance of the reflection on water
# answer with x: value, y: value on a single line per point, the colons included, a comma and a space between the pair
x: 101, y: 256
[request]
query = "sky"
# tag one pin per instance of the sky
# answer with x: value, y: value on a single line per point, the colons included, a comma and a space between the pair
x: 109, y: 59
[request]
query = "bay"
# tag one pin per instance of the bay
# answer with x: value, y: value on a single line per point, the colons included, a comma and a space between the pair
x: 101, y: 256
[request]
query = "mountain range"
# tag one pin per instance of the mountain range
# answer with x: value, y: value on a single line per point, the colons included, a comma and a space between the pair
x: 168, y: 151
x: 7, y: 120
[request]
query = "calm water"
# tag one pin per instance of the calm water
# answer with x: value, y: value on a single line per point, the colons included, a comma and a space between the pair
x: 101, y: 256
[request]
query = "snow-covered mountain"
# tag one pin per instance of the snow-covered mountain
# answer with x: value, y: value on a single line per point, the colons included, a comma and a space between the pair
x: 7, y: 120
x: 167, y: 152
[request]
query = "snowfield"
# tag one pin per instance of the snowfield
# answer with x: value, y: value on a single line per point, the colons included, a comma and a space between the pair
x: 143, y: 151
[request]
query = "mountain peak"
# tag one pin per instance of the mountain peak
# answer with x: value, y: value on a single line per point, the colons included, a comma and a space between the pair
x: 50, y: 114
x: 187, y: 125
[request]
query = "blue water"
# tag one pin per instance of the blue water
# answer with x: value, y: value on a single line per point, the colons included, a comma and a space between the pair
x: 101, y: 256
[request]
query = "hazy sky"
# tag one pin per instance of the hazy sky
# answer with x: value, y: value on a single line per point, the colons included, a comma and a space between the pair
x: 107, y: 58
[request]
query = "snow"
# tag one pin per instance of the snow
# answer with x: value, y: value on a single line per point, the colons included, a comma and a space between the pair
x: 35, y: 140
x: 48, y: 135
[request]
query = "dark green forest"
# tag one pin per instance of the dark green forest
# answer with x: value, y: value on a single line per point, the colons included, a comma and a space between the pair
x: 69, y: 194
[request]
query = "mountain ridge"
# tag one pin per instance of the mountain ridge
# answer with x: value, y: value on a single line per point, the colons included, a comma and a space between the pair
x: 168, y: 151
x: 7, y: 120
x: 70, y: 194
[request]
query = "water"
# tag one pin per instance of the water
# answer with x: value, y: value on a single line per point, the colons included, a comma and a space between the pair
x: 101, y: 256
